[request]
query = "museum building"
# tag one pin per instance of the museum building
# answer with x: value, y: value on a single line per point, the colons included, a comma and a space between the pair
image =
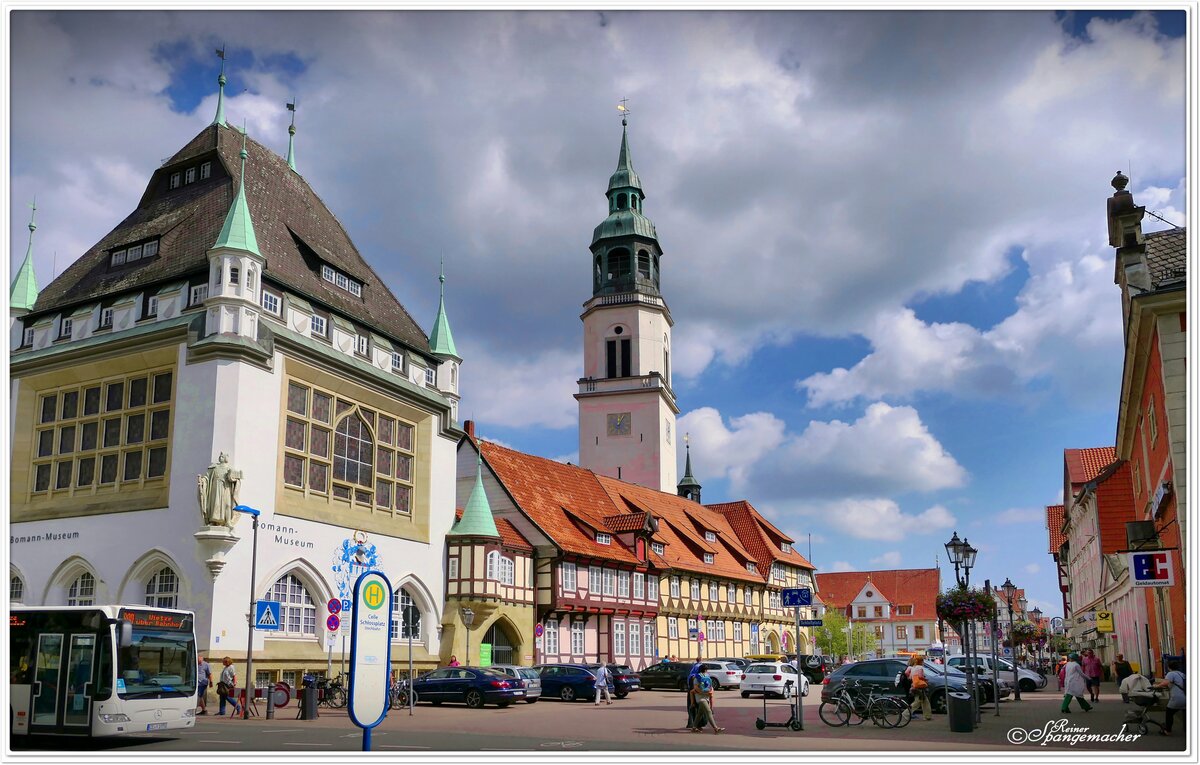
x: 226, y: 343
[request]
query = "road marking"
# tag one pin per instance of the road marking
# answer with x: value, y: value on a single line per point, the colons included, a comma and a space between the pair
x: 281, y: 730
x: 294, y: 743
x: 403, y: 746
x: 486, y: 749
x: 217, y: 741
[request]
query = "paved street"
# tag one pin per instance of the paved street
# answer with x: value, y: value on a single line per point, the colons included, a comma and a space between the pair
x: 646, y: 721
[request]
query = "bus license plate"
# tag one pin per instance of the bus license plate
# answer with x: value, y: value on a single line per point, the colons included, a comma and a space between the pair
x: 156, y: 726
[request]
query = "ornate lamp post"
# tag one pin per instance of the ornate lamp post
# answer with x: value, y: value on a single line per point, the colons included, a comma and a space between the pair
x: 250, y: 685
x: 1010, y: 590
x: 962, y: 555
x: 468, y: 618
x: 1036, y: 613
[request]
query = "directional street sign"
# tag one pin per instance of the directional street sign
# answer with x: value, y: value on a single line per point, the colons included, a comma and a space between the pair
x: 797, y: 596
x: 266, y: 615
x: 811, y: 623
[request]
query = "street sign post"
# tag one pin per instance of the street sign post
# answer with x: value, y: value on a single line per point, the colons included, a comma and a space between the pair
x: 266, y: 615
x: 811, y: 623
x: 797, y: 596
x: 370, y: 652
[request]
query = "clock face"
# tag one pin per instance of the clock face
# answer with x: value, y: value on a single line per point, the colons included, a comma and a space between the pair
x: 618, y: 424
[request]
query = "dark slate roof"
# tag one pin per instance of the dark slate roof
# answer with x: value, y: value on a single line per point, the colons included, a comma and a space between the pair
x: 295, y: 231
x: 1166, y: 252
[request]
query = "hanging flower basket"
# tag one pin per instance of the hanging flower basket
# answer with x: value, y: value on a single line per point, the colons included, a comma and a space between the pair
x: 1028, y: 633
x: 962, y: 604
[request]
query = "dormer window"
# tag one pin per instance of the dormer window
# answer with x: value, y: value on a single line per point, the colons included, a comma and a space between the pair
x: 152, y: 305
x: 398, y: 362
x: 341, y: 280
x: 176, y: 180
x: 133, y: 253
x: 189, y: 175
x: 28, y: 336
x: 198, y: 295
x: 657, y: 547
x: 603, y: 539
x: 205, y: 170
x: 752, y: 567
x: 65, y: 328
x: 319, y: 327
x: 118, y: 257
x: 150, y: 249
x: 709, y: 558
x: 710, y: 536
x: 271, y: 302
x: 106, y: 318
x: 785, y: 546
x: 429, y: 377
x: 361, y: 345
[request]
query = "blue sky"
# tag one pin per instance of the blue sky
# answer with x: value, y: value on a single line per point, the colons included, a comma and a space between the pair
x: 884, y: 234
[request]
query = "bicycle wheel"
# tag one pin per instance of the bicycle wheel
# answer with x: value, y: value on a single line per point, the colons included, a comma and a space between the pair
x: 835, y: 713
x: 858, y: 711
x: 337, y: 698
x: 890, y: 713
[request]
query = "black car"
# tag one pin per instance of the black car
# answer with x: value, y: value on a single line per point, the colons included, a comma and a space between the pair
x: 624, y: 679
x: 882, y: 675
x: 474, y: 686
x: 569, y: 682
x: 666, y: 674
x: 742, y: 663
x: 814, y: 667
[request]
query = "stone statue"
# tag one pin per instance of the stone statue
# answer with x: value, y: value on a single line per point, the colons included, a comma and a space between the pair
x: 218, y: 492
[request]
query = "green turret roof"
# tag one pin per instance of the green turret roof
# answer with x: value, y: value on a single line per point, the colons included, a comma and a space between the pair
x: 24, y: 288
x: 441, y: 341
x: 238, y: 231
x: 477, y: 520
x: 624, y: 177
x: 688, y: 479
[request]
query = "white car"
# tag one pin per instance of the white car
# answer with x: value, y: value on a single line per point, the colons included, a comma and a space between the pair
x: 773, y: 678
x: 1030, y: 680
x: 724, y: 674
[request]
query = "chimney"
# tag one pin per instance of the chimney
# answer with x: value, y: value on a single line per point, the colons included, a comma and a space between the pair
x: 470, y: 427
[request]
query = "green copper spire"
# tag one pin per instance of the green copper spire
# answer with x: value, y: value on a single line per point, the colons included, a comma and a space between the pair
x: 441, y: 341
x: 24, y: 288
x: 220, y: 118
x: 477, y: 518
x: 238, y: 231
x: 292, y: 136
x: 688, y: 485
x: 624, y: 177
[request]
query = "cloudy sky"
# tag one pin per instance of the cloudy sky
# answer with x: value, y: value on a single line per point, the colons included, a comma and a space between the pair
x: 884, y: 232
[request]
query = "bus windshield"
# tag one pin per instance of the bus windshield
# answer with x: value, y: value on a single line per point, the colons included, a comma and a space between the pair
x: 157, y: 662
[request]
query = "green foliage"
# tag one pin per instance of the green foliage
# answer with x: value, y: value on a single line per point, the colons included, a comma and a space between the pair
x: 833, y: 638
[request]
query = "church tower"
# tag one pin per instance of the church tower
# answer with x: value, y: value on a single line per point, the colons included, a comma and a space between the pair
x: 626, y: 405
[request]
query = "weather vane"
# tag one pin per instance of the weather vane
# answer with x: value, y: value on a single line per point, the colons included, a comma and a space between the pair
x: 221, y: 55
x: 292, y: 108
x: 623, y: 108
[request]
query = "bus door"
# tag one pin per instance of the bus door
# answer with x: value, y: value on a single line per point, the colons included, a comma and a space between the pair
x: 63, y: 682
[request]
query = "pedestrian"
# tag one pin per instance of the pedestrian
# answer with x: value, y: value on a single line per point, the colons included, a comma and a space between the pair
x: 453, y: 661
x: 1058, y: 670
x: 1094, y: 671
x: 691, y: 699
x: 601, y: 685
x: 227, y: 687
x: 203, y: 681
x: 1121, y: 670
x: 1075, y: 683
x: 702, y: 689
x: 919, y: 684
x: 1177, y: 682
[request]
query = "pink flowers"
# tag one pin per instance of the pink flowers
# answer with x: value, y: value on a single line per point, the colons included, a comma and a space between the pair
x: 965, y: 604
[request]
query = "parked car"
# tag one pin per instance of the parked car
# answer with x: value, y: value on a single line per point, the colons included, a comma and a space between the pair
x: 812, y: 665
x: 666, y: 674
x: 569, y: 682
x: 770, y: 678
x: 527, y: 675
x: 988, y: 691
x: 624, y: 679
x: 742, y: 663
x: 475, y: 686
x: 883, y: 674
x: 724, y: 674
x: 1028, y: 679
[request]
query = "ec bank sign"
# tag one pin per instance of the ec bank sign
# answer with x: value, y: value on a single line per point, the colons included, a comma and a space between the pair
x: 1152, y: 569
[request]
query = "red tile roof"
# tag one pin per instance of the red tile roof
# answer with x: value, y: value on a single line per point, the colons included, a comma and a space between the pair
x: 552, y: 494
x: 917, y: 587
x: 1054, y: 524
x: 625, y: 522
x: 759, y: 535
x: 1082, y: 465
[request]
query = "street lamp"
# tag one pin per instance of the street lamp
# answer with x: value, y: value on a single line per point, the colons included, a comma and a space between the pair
x: 468, y: 618
x: 250, y: 511
x: 962, y: 555
x: 1010, y: 590
x: 1036, y: 613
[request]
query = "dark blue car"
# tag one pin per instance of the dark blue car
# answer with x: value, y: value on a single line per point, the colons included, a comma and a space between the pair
x: 474, y: 686
x: 569, y: 682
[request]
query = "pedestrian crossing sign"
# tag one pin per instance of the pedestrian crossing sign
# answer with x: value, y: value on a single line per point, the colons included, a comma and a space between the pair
x: 266, y: 615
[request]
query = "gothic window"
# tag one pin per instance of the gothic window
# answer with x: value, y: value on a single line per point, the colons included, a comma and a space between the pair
x: 298, y: 613
x: 644, y: 264
x: 162, y: 589
x: 82, y: 591
x: 406, y: 617
x: 338, y: 450
x: 16, y: 589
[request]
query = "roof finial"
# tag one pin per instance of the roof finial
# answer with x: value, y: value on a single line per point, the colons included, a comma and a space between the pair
x: 24, y: 291
x: 623, y: 108
x: 441, y: 341
x: 238, y: 231
x: 292, y: 136
x: 220, y: 118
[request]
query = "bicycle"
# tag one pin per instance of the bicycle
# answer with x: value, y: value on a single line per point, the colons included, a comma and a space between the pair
x: 398, y: 694
x: 851, y: 702
x: 333, y: 692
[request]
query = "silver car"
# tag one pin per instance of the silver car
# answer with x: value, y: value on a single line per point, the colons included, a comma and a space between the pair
x: 529, y: 675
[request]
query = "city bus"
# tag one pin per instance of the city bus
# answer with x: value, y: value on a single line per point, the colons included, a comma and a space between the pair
x: 101, y: 670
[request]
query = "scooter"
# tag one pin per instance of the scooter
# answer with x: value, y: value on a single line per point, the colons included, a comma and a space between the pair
x: 793, y: 722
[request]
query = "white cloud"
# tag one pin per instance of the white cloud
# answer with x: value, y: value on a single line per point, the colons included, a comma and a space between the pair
x: 840, y: 566
x: 882, y: 519
x: 1022, y: 515
x: 889, y: 559
x: 532, y: 391
x: 728, y: 452
x: 1032, y: 568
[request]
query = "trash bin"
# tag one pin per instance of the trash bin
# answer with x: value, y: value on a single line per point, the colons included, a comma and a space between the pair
x: 308, y: 699
x: 958, y: 709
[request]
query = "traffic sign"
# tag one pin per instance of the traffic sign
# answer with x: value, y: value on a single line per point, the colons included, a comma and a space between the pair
x: 346, y: 604
x: 370, y: 652
x: 693, y: 633
x: 797, y: 596
x: 334, y: 605
x: 266, y: 615
x: 332, y: 623
x: 538, y: 629
x: 812, y: 622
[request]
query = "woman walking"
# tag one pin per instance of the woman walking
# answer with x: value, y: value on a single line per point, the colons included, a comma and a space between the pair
x: 703, y: 689
x: 1075, y: 682
x: 1177, y: 682
x: 915, y: 671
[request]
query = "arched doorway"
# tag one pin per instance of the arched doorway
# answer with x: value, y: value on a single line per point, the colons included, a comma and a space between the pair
x: 772, y: 642
x: 802, y: 641
x: 505, y: 649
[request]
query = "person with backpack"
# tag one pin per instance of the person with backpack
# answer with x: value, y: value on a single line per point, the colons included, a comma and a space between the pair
x: 1177, y: 682
x: 918, y: 687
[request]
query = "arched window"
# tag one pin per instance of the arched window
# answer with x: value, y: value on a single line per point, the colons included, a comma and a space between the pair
x: 644, y: 264
x: 622, y: 201
x: 493, y: 565
x: 298, y: 614
x: 406, y: 617
x: 619, y: 264
x: 82, y: 591
x: 162, y: 589
x: 16, y: 589
x: 633, y: 201
x: 507, y: 570
x: 353, y: 451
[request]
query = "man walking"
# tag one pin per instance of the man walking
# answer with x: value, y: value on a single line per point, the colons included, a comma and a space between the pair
x: 602, y: 676
x: 1094, y: 671
x: 203, y: 680
x: 1121, y: 670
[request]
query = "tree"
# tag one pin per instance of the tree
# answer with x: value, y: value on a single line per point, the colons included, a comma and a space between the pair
x: 832, y: 637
